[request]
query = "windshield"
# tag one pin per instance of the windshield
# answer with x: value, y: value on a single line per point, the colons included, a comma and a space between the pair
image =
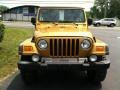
x: 61, y: 15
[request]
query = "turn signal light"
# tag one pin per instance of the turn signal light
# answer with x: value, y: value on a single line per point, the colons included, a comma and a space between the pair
x: 28, y: 48
x: 100, y: 48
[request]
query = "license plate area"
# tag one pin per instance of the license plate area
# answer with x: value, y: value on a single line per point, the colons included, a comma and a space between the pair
x: 63, y: 60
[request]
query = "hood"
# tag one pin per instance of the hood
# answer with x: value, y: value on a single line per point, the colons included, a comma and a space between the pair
x: 62, y: 30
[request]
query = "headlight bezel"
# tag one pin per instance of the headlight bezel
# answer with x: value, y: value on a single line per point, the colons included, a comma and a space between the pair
x: 42, y: 40
x: 90, y: 44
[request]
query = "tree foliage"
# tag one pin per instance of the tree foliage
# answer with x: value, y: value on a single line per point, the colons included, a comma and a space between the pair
x: 88, y: 14
x: 3, y: 8
x: 114, y: 10
x: 106, y: 8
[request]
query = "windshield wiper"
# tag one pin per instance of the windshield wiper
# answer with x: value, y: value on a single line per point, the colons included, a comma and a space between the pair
x: 76, y: 24
x: 54, y: 22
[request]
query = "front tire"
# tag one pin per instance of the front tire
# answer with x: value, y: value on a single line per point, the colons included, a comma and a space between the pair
x: 98, y: 24
x: 112, y: 25
x: 29, y: 77
x: 96, y: 75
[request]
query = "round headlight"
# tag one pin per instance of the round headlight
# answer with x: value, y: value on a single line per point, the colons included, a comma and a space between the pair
x: 85, y: 44
x: 93, y: 58
x: 35, y: 58
x: 42, y: 44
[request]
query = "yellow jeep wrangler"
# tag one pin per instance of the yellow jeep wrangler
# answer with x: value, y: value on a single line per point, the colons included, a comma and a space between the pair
x: 62, y: 40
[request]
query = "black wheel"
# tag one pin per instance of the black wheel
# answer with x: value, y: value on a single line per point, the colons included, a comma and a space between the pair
x: 97, y: 24
x: 94, y: 25
x: 96, y: 75
x: 29, y: 77
x: 112, y: 25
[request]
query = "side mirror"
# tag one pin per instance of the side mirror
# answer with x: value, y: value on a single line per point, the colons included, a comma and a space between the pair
x: 89, y: 21
x: 33, y: 20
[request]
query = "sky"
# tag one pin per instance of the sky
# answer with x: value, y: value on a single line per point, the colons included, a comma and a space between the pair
x: 87, y: 4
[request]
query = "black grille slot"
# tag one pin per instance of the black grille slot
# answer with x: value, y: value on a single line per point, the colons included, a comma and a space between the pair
x: 60, y: 47
x: 64, y: 47
x: 51, y: 47
x: 55, y: 47
x: 68, y: 47
x: 77, y: 47
x: 73, y: 46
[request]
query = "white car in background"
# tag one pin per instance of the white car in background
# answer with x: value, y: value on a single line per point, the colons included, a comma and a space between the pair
x: 110, y: 22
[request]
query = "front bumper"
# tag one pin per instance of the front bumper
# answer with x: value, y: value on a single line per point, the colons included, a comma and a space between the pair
x: 26, y: 65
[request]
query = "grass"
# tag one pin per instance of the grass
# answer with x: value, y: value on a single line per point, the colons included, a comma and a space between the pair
x: 9, y: 49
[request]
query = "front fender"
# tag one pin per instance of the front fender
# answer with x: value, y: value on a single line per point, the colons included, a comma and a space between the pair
x: 28, y: 43
x: 103, y: 48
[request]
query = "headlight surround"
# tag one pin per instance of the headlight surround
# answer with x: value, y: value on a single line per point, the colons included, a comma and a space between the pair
x: 42, y: 44
x: 86, y: 44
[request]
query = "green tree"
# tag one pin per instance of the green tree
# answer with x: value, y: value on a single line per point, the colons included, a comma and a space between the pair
x: 114, y: 9
x: 97, y: 11
x: 106, y: 8
x: 3, y: 8
x: 88, y: 14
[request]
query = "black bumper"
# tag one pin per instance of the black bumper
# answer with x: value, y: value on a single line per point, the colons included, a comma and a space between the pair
x: 25, y: 65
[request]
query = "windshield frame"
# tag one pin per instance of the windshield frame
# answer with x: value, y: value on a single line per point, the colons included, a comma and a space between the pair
x: 84, y: 17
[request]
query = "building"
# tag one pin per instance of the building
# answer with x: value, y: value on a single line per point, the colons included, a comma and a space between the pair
x: 0, y: 15
x: 21, y: 13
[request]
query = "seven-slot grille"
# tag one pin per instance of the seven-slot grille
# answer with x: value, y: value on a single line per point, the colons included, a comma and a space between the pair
x: 64, y: 47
